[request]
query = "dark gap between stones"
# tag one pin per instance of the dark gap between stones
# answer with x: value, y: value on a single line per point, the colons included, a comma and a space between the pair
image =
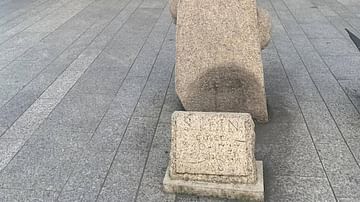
x: 354, y: 38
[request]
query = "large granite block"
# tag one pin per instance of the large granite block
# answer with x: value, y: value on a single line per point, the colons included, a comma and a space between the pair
x: 218, y: 59
x: 264, y: 22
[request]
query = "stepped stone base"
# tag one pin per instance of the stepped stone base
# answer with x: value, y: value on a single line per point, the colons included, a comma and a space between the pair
x: 243, y: 192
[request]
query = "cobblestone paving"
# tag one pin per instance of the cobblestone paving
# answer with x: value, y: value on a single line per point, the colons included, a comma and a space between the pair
x: 87, y: 91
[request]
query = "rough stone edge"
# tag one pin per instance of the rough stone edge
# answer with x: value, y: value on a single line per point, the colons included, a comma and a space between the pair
x: 244, y: 192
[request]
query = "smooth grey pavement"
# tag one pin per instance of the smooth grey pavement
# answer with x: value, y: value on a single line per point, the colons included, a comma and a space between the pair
x: 87, y: 92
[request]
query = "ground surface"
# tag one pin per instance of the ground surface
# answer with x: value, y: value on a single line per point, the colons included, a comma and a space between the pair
x: 87, y: 90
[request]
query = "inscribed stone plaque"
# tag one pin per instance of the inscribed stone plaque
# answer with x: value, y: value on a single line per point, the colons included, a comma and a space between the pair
x: 218, y: 57
x: 214, y: 147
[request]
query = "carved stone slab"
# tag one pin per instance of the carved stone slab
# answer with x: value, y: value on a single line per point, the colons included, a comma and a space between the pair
x: 213, y: 147
x: 218, y: 61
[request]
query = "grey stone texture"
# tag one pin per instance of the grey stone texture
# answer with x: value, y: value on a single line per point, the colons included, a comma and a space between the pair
x: 218, y: 61
x: 110, y: 141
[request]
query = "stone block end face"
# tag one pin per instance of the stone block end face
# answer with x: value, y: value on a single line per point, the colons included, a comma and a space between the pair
x: 242, y: 192
x: 213, y: 147
x: 218, y: 57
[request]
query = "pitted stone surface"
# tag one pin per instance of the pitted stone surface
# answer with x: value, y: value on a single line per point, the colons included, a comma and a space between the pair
x: 264, y: 22
x: 218, y: 61
x: 213, y: 147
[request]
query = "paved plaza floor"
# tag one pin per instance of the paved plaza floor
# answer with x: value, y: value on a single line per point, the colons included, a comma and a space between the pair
x: 87, y: 92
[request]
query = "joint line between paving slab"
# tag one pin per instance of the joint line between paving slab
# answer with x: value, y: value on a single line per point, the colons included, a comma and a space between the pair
x: 93, y: 1
x: 45, y: 35
x: 71, y: 86
x: 5, y: 2
x: 358, y: 31
x: 20, y: 90
x: 46, y: 66
x: 339, y: 15
x: 25, y: 12
x: 336, y: 124
x: 51, y: 13
x: 117, y: 90
x: 132, y: 114
x: 297, y: 101
x: 346, y: 7
x: 13, y: 36
x: 152, y: 139
x: 23, y: 8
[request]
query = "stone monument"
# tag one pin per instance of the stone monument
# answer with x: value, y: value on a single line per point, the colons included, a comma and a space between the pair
x: 212, y: 154
x: 264, y: 22
x: 218, y: 56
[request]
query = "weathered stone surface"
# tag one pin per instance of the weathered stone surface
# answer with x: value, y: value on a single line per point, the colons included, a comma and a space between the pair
x: 264, y: 21
x: 218, y: 61
x: 212, y: 154
x: 213, y: 147
x: 244, y: 192
x: 173, y: 9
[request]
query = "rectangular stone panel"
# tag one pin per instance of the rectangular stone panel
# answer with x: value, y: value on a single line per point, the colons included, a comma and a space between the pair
x: 215, y: 147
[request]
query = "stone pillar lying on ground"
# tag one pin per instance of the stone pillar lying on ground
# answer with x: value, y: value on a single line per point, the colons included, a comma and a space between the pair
x: 212, y: 154
x: 218, y: 57
x: 264, y: 22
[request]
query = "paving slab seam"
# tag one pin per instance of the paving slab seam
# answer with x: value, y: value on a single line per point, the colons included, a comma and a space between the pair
x: 147, y: 42
x: 119, y: 87
x: 337, y: 126
x: 59, y: 55
x: 11, y: 3
x: 58, y: 99
x: 4, y: 41
x: 21, y: 14
x: 75, y: 14
x: 126, y: 128
x: 346, y: 6
x: 302, y: 114
x: 41, y: 72
x: 152, y: 138
x: 340, y: 15
x: 8, y: 31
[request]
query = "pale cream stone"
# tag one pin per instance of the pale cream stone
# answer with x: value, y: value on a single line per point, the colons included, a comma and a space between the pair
x: 218, y: 61
x: 264, y: 22
x: 243, y: 192
x: 213, y: 147
x: 173, y: 9
x: 212, y: 154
